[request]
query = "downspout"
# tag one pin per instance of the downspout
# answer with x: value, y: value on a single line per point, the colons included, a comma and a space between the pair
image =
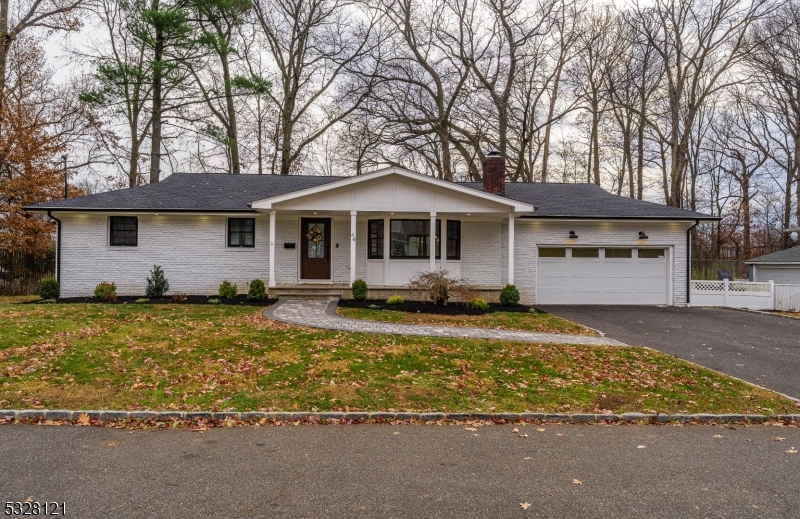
x: 58, y: 246
x: 689, y: 262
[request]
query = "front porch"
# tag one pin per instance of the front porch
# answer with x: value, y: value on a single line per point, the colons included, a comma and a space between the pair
x: 384, y: 228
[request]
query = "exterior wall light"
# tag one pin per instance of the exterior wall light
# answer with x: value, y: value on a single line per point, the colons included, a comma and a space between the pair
x: 642, y: 235
x: 572, y: 235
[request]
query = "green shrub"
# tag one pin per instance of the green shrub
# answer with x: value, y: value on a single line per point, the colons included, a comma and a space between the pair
x: 479, y: 304
x: 509, y: 296
x: 213, y: 301
x: 360, y: 290
x: 533, y: 311
x: 228, y: 290
x: 395, y: 300
x: 142, y: 300
x: 157, y: 284
x: 106, y: 291
x: 257, y: 290
x: 45, y: 301
x: 374, y: 307
x: 48, y: 288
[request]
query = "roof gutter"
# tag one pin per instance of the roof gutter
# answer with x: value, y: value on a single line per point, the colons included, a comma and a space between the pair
x: 639, y: 218
x: 689, y: 263
x: 58, y: 247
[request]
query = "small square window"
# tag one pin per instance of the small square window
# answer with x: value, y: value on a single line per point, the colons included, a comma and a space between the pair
x: 651, y: 253
x: 552, y: 252
x: 585, y: 253
x: 124, y: 231
x: 619, y: 253
x: 241, y: 232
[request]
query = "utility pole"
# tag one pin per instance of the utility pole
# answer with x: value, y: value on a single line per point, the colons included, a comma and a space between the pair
x: 66, y: 186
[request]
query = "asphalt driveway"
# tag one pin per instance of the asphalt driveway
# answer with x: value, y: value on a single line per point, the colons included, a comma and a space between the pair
x: 762, y: 349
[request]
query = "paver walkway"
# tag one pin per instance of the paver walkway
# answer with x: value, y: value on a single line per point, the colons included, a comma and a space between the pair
x: 321, y: 314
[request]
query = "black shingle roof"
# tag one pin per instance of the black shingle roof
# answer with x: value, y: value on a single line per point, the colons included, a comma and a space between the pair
x: 231, y: 193
x: 554, y: 200
x: 783, y: 256
x: 192, y: 192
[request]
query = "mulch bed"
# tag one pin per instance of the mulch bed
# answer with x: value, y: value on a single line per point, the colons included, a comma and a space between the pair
x: 240, y: 300
x: 424, y: 307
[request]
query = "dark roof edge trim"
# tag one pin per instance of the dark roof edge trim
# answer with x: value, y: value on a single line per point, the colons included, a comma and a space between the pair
x: 118, y: 210
x: 665, y: 218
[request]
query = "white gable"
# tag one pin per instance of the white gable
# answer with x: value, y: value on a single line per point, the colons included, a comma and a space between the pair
x: 394, y: 192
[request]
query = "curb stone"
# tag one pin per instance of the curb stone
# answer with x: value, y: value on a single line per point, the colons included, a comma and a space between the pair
x: 11, y: 415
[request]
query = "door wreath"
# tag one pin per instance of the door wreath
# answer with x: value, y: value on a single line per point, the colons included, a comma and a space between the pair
x: 315, y: 234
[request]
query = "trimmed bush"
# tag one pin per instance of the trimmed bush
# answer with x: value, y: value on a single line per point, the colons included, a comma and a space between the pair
x: 49, y: 289
x: 395, y: 300
x: 509, y: 296
x: 360, y: 290
x: 157, y: 284
x: 479, y: 304
x: 227, y: 290
x: 106, y: 291
x: 256, y: 290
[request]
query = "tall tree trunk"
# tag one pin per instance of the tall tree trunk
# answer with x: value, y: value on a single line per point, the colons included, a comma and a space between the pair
x: 447, y: 167
x: 133, y: 165
x: 548, y: 127
x: 233, y: 134
x: 596, y: 143
x: 5, y: 45
x: 158, y: 71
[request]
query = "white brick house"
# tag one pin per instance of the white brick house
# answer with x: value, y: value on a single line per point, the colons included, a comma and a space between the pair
x: 571, y: 243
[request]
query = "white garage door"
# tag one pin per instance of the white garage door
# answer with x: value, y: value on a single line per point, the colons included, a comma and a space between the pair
x: 602, y: 275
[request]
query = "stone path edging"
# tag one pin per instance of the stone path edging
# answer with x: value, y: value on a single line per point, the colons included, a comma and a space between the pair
x: 322, y: 314
x: 95, y: 416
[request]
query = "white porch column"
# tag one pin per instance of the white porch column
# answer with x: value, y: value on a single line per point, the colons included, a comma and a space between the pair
x: 433, y: 240
x: 510, y: 248
x: 352, y: 246
x: 272, y: 248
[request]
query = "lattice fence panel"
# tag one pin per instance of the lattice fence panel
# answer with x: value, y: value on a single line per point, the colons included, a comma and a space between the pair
x: 787, y: 298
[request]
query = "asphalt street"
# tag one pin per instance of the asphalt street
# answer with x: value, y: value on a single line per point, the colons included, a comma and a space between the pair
x: 412, y: 471
x: 762, y: 349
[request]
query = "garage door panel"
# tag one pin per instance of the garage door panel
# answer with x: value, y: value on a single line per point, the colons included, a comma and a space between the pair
x: 602, y: 280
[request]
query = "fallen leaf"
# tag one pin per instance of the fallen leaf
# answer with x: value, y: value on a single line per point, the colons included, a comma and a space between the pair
x: 577, y: 481
x: 395, y: 432
x: 83, y: 419
x: 540, y: 429
x: 50, y: 422
x: 524, y: 506
x: 523, y: 435
x: 717, y: 436
x: 112, y: 443
x: 792, y: 451
x: 29, y: 500
x: 640, y: 447
x: 527, y: 458
x: 470, y: 429
x: 516, y: 429
x: 560, y: 434
x: 779, y: 439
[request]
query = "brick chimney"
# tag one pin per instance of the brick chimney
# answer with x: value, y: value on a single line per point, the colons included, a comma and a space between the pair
x: 494, y: 174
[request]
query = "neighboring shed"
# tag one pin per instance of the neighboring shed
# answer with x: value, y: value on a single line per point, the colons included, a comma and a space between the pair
x: 782, y: 267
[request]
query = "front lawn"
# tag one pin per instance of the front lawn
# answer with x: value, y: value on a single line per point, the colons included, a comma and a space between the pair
x: 529, y: 322
x: 198, y: 357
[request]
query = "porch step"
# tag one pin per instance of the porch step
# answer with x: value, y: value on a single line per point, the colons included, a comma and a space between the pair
x: 325, y: 294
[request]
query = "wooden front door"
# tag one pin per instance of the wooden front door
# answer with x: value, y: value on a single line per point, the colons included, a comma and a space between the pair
x: 315, y: 246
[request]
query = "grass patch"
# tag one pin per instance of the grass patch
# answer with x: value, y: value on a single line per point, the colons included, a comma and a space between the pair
x: 528, y: 322
x: 95, y: 356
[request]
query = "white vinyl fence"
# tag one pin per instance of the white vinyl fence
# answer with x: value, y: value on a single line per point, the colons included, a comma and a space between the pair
x: 746, y: 294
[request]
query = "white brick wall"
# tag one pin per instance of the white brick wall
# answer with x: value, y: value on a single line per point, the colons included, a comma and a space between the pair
x: 480, y: 247
x: 192, y: 251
